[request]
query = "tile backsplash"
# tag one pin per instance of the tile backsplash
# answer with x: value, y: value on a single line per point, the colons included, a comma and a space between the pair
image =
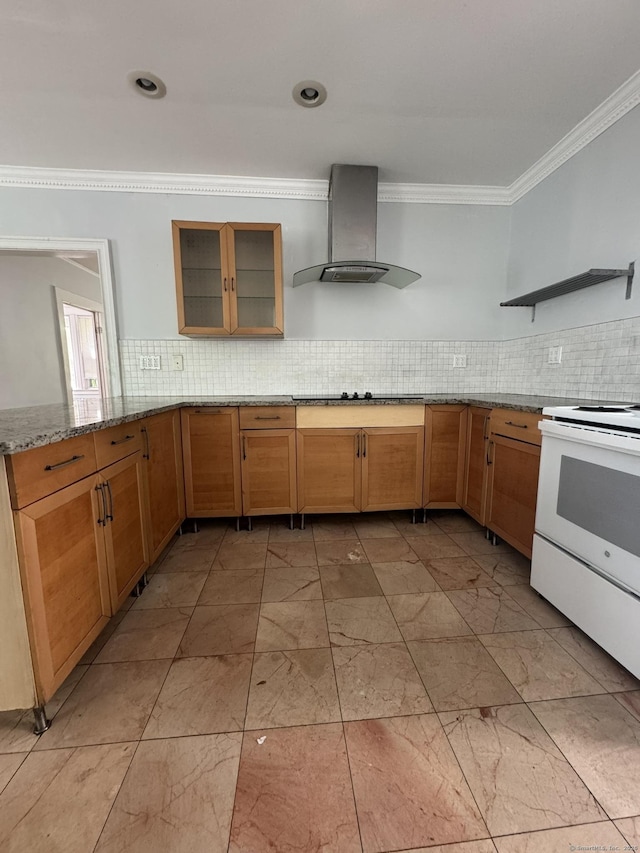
x: 599, y: 361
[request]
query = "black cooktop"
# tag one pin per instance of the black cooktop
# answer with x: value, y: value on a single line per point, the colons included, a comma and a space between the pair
x: 356, y: 396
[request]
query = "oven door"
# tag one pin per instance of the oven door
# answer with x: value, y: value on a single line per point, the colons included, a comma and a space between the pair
x: 589, y: 497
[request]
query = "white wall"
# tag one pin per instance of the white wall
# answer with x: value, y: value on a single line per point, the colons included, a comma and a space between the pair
x: 584, y: 215
x: 31, y: 370
x: 460, y: 251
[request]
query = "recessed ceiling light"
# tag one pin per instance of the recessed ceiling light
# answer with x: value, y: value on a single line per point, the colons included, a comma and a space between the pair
x: 147, y: 84
x: 309, y: 93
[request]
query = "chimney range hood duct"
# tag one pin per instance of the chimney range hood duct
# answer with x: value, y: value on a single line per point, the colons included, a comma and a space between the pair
x: 353, y: 200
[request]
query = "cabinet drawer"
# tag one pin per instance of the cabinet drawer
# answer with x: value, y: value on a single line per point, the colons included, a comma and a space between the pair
x: 36, y: 473
x: 523, y: 426
x: 117, y: 442
x: 267, y: 417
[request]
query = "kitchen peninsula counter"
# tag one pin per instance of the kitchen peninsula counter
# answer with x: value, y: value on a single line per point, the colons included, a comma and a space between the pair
x: 36, y: 426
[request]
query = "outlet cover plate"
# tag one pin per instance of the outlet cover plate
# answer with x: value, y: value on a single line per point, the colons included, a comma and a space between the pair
x: 459, y: 360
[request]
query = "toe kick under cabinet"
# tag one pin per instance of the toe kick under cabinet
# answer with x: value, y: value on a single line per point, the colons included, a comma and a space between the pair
x: 79, y: 520
x: 361, y: 458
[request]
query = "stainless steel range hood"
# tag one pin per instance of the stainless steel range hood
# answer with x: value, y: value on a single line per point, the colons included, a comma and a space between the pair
x: 353, y: 201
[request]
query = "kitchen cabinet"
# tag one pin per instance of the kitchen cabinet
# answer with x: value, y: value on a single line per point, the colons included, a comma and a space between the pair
x: 474, y: 493
x: 163, y: 479
x: 211, y: 454
x: 229, y: 278
x: 445, y: 446
x: 362, y: 458
x: 268, y: 448
x: 513, y: 461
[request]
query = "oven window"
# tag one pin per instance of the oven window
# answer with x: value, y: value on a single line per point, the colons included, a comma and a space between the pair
x: 601, y: 500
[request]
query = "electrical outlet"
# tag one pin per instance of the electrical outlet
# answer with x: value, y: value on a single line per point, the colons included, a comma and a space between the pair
x: 459, y: 360
x: 555, y: 355
x: 177, y: 362
x: 149, y: 362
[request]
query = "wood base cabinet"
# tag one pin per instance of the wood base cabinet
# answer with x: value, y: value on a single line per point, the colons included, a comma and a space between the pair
x: 163, y: 478
x: 349, y: 470
x: 211, y: 452
x: 269, y: 472
x: 445, y: 446
x: 474, y: 493
x: 65, y: 578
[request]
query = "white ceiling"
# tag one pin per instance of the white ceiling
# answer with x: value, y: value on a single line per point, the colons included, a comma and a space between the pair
x: 431, y: 91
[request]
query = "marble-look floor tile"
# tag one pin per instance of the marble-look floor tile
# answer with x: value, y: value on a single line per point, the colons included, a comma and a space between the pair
x: 101, y: 640
x: 489, y: 609
x: 389, y: 551
x: 518, y: 776
x: 283, y: 554
x: 544, y: 613
x: 376, y: 528
x: 414, y: 531
x: 288, y: 625
x: 399, y: 578
x: 595, y: 660
x: 357, y: 581
x: 59, y: 799
x: 292, y: 688
x: 458, y: 573
x: 242, y: 586
x: 630, y: 828
x: 378, y: 681
x: 180, y: 589
x: 588, y: 836
x: 326, y: 529
x: 178, y: 797
x: 202, y: 696
x: 340, y: 552
x: 602, y: 741
x: 506, y: 568
x: 459, y: 673
x: 455, y: 521
x: 147, y: 635
x: 484, y: 846
x: 259, y: 533
x: 434, y: 547
x: 225, y: 629
x: 240, y: 556
x: 280, y: 531
x: 292, y: 584
x: 475, y: 542
x: 408, y: 787
x: 209, y: 536
x: 112, y: 703
x: 8, y: 766
x: 191, y: 560
x: 294, y: 793
x: 427, y: 615
x: 538, y: 667
x: 353, y: 621
x: 630, y: 701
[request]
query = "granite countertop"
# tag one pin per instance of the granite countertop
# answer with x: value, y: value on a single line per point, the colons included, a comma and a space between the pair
x: 23, y: 429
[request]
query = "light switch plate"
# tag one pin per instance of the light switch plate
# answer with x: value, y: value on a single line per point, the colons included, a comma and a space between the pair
x: 459, y: 360
x: 149, y: 362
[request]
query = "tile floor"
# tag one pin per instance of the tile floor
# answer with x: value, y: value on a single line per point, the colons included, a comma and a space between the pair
x: 363, y: 685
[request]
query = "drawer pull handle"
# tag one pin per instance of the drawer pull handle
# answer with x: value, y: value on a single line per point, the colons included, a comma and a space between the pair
x: 244, y: 446
x: 147, y: 454
x: 109, y: 515
x: 357, y: 445
x: 514, y: 424
x: 490, y: 453
x: 66, y: 462
x: 122, y: 440
x: 267, y: 417
x: 103, y: 518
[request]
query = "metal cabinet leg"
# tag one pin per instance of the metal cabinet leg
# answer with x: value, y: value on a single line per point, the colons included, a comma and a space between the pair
x: 291, y: 524
x: 180, y: 531
x: 42, y: 723
x: 413, y: 516
x: 195, y: 526
x: 301, y: 521
x: 237, y: 523
x: 249, y: 523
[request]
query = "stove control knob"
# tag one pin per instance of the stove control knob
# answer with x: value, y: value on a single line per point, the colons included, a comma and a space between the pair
x: 355, y: 396
x: 368, y: 395
x: 344, y: 396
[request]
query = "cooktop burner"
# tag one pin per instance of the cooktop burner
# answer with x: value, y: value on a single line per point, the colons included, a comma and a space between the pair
x: 355, y: 396
x: 605, y: 408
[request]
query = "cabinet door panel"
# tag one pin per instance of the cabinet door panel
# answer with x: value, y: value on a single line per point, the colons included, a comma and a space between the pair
x: 211, y: 448
x: 125, y: 531
x: 475, y: 478
x: 329, y: 470
x: 63, y: 564
x: 392, y: 462
x: 446, y: 428
x: 164, y: 479
x: 255, y: 278
x: 268, y: 471
x: 513, y: 489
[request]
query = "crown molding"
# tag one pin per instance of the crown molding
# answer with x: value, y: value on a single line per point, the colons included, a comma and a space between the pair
x: 617, y: 105
x: 624, y: 99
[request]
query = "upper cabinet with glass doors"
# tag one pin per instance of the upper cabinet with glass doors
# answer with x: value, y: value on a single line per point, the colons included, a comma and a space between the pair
x: 229, y: 278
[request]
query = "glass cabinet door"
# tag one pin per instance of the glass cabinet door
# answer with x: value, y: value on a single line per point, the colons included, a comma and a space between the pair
x: 256, y: 273
x: 201, y: 260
